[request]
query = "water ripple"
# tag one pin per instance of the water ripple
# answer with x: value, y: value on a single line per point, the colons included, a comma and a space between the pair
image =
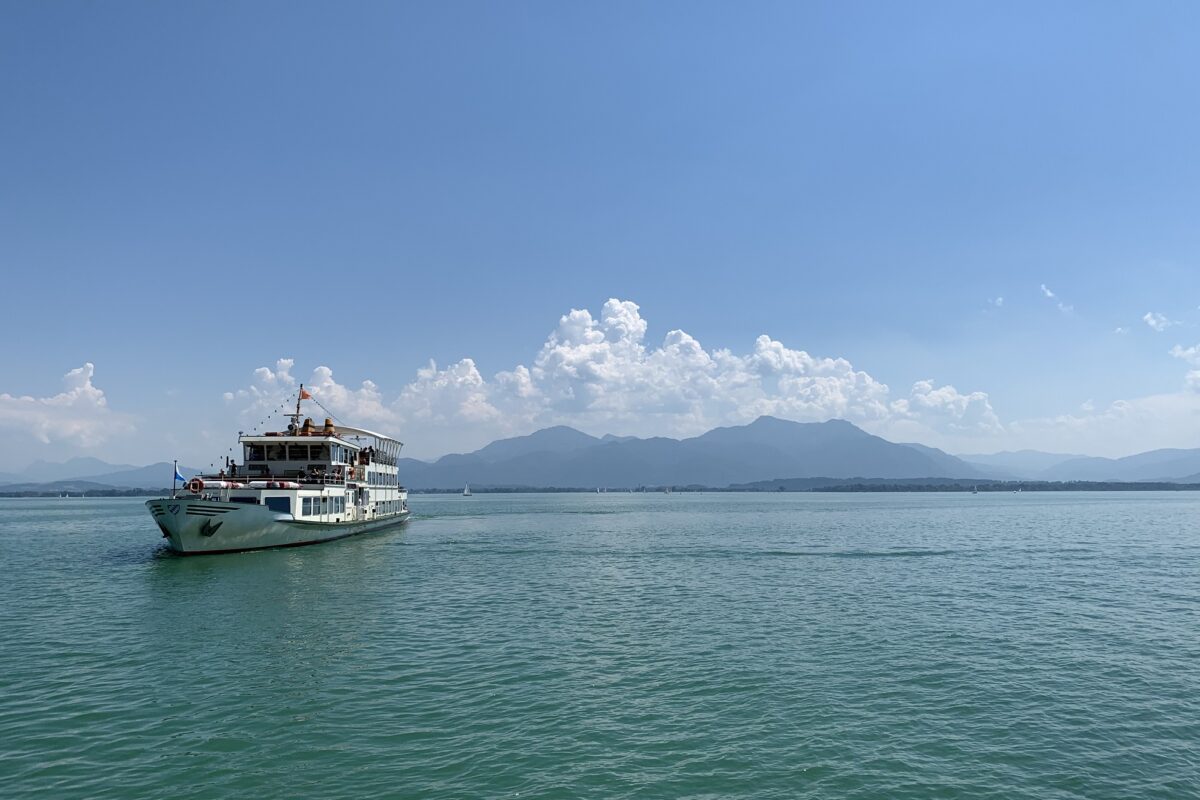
x: 616, y: 646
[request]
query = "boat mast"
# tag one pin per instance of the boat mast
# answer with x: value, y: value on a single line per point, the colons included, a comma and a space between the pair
x: 296, y: 416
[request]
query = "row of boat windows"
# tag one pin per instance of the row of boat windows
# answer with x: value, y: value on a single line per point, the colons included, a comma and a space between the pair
x: 383, y: 478
x: 315, y: 506
x: 336, y: 453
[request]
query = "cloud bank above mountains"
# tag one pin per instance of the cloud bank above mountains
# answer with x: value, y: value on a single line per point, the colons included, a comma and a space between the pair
x: 597, y: 373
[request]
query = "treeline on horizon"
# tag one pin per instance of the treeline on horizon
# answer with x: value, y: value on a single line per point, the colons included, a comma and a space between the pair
x: 88, y: 493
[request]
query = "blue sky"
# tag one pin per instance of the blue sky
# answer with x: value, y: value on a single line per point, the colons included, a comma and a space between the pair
x: 192, y: 192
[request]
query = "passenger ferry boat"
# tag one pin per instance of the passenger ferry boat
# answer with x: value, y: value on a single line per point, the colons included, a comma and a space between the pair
x: 305, y: 485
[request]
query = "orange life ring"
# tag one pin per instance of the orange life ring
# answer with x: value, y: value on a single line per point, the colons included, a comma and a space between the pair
x: 195, y: 485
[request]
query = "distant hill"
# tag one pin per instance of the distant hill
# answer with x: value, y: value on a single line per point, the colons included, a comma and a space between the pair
x: 48, y: 471
x: 154, y: 476
x: 1172, y: 465
x: 1019, y: 463
x: 559, y: 439
x: 1154, y: 465
x: 953, y: 464
x: 64, y: 487
x: 761, y: 450
x: 608, y: 437
x: 96, y: 475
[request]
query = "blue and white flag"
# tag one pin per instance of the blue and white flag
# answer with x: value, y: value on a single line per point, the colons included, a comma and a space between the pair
x: 179, y: 477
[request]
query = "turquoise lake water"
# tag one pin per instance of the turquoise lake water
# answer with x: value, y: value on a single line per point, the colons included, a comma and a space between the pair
x: 632, y: 646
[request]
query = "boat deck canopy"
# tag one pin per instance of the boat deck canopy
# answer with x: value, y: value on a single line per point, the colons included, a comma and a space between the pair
x: 342, y: 434
x: 285, y: 438
x: 346, y: 430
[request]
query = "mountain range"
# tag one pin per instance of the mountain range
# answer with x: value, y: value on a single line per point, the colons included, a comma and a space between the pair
x: 765, y: 449
x: 768, y: 449
x: 1169, y: 464
x: 1021, y: 463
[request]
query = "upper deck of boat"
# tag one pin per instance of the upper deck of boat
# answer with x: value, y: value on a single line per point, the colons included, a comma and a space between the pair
x: 308, y: 454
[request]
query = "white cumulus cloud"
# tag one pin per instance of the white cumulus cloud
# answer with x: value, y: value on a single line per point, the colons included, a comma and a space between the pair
x: 1192, y: 356
x: 78, y: 415
x: 1189, y: 354
x: 970, y: 412
x: 1158, y: 322
x: 445, y: 396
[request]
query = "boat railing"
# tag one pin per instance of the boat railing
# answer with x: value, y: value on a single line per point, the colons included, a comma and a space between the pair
x: 320, y: 479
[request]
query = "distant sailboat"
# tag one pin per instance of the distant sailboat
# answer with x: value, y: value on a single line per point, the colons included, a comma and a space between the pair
x: 974, y: 490
x: 467, y: 490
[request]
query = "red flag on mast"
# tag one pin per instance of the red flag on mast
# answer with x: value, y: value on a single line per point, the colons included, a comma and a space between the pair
x: 304, y: 395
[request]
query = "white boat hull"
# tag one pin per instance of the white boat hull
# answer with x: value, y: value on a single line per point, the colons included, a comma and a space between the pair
x: 192, y: 526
